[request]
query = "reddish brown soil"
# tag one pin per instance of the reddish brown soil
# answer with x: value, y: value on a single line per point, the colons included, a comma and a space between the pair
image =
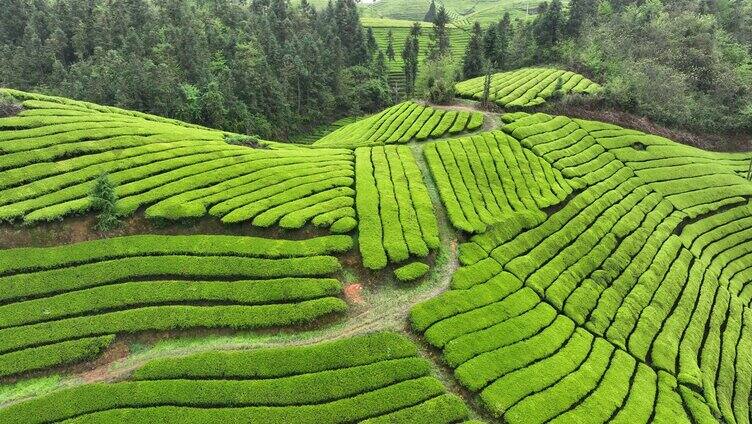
x: 353, y: 293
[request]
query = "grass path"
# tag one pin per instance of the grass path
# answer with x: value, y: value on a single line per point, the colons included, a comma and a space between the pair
x: 384, y: 307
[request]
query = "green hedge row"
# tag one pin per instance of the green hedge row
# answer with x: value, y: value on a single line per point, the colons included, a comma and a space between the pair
x: 170, y: 317
x: 426, y: 130
x: 397, y: 216
x: 23, y: 260
x: 370, y: 231
x: 52, y: 355
x: 281, y: 361
x: 411, y: 271
x: 146, y: 293
x: 53, y: 155
x: 482, y: 179
x: 377, y: 377
x: 527, y: 87
x: 304, y: 389
x: 113, y: 271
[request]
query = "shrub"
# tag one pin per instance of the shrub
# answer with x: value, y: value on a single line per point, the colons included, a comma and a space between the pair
x: 9, y: 106
x: 411, y: 271
x: 103, y: 200
x: 251, y: 141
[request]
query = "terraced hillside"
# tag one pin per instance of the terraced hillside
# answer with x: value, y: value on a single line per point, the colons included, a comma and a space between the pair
x: 53, y: 151
x: 377, y: 378
x: 629, y: 302
x: 398, y: 217
x: 527, y: 87
x: 605, y: 273
x: 401, y: 123
x: 64, y: 304
x: 461, y: 12
x: 458, y: 38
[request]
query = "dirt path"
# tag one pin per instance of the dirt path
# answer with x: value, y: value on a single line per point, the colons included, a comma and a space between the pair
x: 382, y: 307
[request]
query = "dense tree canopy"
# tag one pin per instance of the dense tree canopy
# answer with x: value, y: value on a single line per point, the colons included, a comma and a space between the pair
x: 259, y: 67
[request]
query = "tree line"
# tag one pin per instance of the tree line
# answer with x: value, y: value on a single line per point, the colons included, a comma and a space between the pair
x: 684, y: 63
x: 249, y: 66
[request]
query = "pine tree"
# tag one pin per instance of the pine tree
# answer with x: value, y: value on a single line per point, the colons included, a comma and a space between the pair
x: 487, y: 86
x: 410, y: 59
x: 490, y: 42
x: 504, y: 34
x: 579, y: 12
x: 549, y: 25
x: 440, y: 45
x: 103, y: 200
x: 371, y: 45
x: 472, y: 63
x: 379, y: 67
x: 351, y: 32
x: 390, y: 46
x: 431, y: 14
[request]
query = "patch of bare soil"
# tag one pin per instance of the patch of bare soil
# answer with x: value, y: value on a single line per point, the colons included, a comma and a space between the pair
x: 99, y: 368
x: 354, y: 293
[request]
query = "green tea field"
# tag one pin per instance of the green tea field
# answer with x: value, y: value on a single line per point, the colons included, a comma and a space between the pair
x: 423, y: 264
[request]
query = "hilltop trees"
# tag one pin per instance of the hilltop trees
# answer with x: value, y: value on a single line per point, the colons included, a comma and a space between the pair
x: 410, y: 57
x: 439, y: 44
x: 260, y: 68
x: 472, y: 63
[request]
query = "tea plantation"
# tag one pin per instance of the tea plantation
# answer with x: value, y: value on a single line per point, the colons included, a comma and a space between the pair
x: 527, y: 87
x: 425, y: 264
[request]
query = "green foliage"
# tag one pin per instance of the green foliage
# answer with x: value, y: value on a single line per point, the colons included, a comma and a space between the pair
x: 376, y: 377
x: 527, y: 87
x: 710, y: 91
x: 60, y: 302
x: 401, y: 123
x: 103, y: 200
x: 251, y: 141
x: 436, y: 80
x: 411, y: 271
x: 397, y: 216
x: 484, y: 179
x: 175, y: 170
x: 9, y: 106
x: 271, y: 71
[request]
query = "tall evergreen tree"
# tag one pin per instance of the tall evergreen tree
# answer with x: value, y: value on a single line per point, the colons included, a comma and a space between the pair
x: 439, y: 45
x: 379, y: 67
x: 410, y: 60
x: 431, y: 13
x: 390, y: 45
x: 472, y: 63
x: 504, y: 35
x: 579, y: 12
x: 350, y: 32
x: 371, y: 45
x: 490, y: 42
x: 549, y: 25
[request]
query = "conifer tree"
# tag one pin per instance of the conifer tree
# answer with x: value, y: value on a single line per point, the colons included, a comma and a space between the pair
x: 390, y: 46
x: 371, y: 45
x: 472, y: 63
x: 440, y: 45
x: 410, y: 58
x: 431, y: 14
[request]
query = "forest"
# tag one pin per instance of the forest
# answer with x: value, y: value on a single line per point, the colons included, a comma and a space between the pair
x: 260, y: 67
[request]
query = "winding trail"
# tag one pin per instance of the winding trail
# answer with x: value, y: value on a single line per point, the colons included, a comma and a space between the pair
x: 384, y: 307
